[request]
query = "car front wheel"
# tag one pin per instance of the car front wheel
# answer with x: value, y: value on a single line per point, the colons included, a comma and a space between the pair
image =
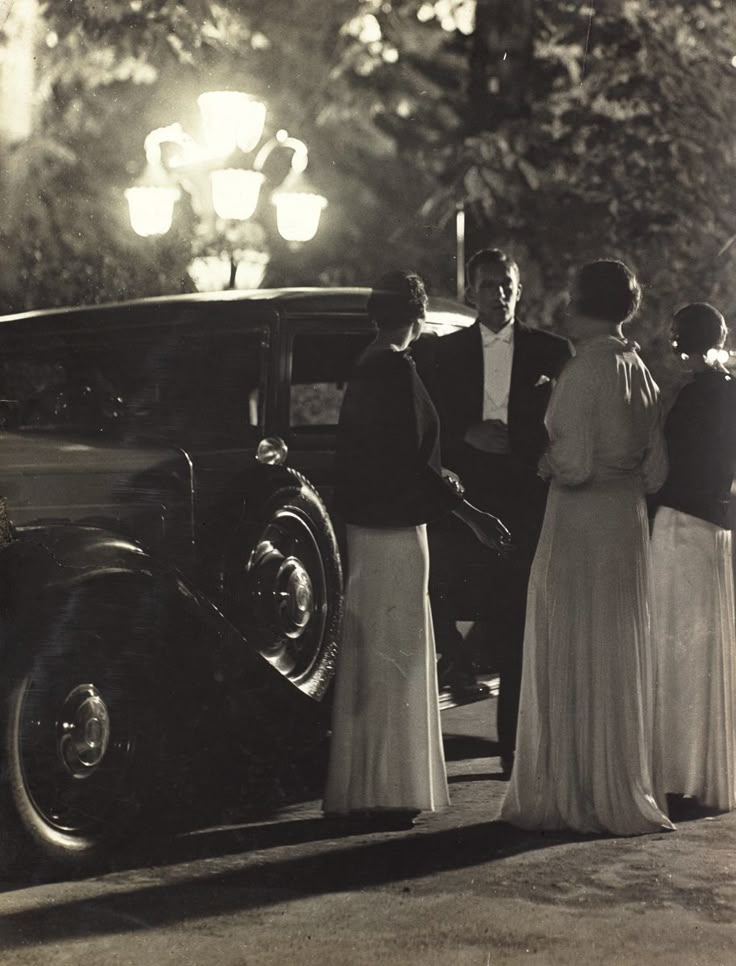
x: 80, y: 728
x: 288, y: 586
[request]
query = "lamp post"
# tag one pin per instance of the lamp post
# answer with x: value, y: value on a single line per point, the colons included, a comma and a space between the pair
x: 225, y: 195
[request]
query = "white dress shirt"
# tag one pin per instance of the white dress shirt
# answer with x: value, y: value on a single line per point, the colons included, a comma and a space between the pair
x: 498, y: 353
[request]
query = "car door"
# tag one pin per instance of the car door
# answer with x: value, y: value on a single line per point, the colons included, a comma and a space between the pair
x: 320, y: 355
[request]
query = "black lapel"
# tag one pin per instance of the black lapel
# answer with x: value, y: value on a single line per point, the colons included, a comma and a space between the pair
x: 519, y: 364
x: 472, y: 375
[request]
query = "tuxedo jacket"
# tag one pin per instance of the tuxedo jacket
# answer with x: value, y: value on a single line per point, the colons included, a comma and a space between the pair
x: 451, y: 367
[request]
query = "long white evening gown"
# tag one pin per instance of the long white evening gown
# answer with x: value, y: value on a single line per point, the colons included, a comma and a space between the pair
x: 694, y: 625
x: 386, y: 750
x: 584, y: 745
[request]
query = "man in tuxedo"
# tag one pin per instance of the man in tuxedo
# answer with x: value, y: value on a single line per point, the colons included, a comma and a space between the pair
x: 491, y: 383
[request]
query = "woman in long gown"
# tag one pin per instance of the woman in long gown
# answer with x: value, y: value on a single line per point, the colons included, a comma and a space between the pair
x: 584, y: 745
x: 693, y: 619
x: 386, y: 751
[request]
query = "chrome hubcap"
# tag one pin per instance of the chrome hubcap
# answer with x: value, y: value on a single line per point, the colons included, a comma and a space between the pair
x: 295, y: 596
x: 285, y: 584
x: 283, y: 590
x: 83, y: 733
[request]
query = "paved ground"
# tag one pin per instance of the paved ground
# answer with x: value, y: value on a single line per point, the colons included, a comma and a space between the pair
x: 460, y: 888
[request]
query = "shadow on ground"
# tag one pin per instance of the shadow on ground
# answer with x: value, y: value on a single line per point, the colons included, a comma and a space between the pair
x: 269, y: 880
x: 461, y: 747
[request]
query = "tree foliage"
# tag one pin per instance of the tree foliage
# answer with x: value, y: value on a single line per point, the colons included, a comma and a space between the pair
x: 578, y: 131
x: 626, y: 149
x: 567, y: 132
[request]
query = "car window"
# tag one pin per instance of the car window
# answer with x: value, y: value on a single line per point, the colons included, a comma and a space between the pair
x: 321, y: 366
x: 176, y: 384
x: 201, y: 386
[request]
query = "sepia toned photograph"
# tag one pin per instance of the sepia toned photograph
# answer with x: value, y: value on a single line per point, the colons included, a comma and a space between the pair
x: 367, y: 456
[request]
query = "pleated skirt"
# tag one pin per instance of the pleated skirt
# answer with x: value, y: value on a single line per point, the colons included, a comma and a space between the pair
x: 694, y: 625
x: 584, y: 745
x: 386, y: 746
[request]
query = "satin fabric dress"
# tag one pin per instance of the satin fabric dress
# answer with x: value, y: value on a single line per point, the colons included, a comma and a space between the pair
x: 386, y: 749
x: 694, y: 619
x: 585, y: 730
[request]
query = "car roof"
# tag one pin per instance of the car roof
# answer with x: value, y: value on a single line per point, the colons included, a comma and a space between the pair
x: 291, y: 301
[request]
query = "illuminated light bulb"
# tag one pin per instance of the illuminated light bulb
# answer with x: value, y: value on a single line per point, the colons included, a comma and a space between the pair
x: 151, y: 208
x: 251, y: 268
x: 210, y: 273
x: 231, y: 119
x: 298, y: 215
x: 235, y: 192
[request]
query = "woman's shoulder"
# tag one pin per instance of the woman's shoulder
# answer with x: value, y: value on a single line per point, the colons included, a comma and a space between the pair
x: 709, y: 382
x: 583, y: 365
x: 718, y: 378
x: 708, y: 389
x: 714, y: 384
x: 597, y: 368
x: 610, y: 353
x: 384, y: 371
x: 381, y: 363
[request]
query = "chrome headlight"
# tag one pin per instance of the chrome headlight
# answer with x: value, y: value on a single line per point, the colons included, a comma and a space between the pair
x: 272, y: 451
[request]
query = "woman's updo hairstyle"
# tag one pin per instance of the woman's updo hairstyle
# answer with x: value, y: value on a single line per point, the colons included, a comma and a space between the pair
x: 397, y: 299
x: 698, y: 327
x: 606, y: 290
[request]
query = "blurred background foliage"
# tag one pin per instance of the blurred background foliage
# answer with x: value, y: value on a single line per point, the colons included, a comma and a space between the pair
x: 567, y: 131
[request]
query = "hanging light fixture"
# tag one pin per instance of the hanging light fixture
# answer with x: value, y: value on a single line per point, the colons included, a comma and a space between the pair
x: 151, y: 201
x: 298, y: 206
x: 232, y: 257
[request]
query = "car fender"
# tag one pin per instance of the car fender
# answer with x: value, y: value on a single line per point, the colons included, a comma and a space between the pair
x: 261, y: 481
x: 49, y: 558
x: 44, y: 564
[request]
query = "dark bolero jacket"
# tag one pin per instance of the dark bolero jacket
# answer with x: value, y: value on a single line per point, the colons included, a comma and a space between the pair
x: 452, y: 369
x: 700, y: 431
x: 388, y: 471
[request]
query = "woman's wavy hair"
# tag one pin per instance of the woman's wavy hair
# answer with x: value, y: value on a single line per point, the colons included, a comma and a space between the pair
x: 398, y: 298
x: 607, y: 289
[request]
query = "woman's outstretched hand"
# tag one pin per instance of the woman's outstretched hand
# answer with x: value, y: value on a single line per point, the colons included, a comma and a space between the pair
x: 488, y: 529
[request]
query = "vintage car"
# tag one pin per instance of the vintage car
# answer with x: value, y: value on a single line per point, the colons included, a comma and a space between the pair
x: 173, y: 587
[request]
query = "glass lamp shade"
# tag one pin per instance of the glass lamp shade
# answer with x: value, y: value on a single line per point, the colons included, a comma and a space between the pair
x: 210, y: 273
x: 251, y: 269
x: 231, y: 119
x: 235, y: 192
x: 298, y: 214
x: 151, y: 208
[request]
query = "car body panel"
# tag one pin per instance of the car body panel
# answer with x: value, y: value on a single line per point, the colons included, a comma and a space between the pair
x: 177, y: 491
